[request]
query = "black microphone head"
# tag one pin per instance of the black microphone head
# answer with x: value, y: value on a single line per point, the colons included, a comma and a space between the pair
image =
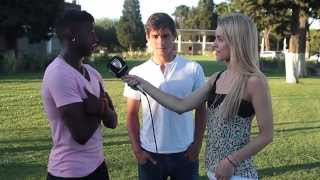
x: 117, y: 66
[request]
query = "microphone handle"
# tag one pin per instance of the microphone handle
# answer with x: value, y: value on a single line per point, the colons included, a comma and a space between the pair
x: 139, y: 88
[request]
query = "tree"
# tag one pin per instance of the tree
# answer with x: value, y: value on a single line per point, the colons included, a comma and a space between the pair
x: 130, y: 31
x: 34, y: 19
x: 265, y: 16
x: 314, y: 41
x: 206, y: 18
x: 224, y: 9
x: 181, y: 15
x: 276, y: 13
x: 106, y: 32
x: 301, y: 10
x: 192, y: 22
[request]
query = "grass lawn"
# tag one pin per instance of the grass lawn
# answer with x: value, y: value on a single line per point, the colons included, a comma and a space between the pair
x: 25, y: 139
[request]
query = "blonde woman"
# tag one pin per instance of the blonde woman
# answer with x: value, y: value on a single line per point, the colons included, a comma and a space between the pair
x: 233, y: 98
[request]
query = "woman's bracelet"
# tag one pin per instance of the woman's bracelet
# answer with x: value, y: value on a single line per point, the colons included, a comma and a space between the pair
x: 231, y: 161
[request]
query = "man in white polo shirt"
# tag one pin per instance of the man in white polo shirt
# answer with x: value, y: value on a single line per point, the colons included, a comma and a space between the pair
x: 169, y: 144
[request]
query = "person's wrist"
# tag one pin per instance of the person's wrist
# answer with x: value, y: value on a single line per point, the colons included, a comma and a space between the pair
x: 136, y: 149
x: 230, y: 159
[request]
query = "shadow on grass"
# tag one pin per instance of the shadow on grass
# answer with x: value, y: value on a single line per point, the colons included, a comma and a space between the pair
x: 25, y: 149
x: 302, y: 129
x: 283, y: 169
x: 290, y: 123
x: 25, y: 140
x: 292, y: 129
x: 274, y: 171
x: 115, y: 135
x: 297, y: 129
x: 116, y: 143
x: 22, y: 171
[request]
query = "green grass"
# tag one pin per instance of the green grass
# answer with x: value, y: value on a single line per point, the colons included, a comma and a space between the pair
x: 25, y: 139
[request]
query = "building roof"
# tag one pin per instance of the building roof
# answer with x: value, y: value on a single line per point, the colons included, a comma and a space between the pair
x: 196, y: 31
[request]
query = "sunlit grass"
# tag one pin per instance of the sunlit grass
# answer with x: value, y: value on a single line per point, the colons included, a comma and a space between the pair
x: 25, y: 139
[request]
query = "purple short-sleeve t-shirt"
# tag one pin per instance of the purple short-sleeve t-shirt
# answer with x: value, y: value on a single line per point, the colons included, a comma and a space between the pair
x: 62, y: 85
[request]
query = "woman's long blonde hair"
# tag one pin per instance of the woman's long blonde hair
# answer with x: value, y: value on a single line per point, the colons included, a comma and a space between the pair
x: 241, y: 35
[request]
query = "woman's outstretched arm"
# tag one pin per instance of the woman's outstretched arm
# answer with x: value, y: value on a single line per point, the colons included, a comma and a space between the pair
x: 179, y: 105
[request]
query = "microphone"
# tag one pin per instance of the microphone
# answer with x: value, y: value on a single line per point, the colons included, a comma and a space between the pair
x: 119, y: 68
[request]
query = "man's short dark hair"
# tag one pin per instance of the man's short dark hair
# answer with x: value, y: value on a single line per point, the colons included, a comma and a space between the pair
x: 159, y: 21
x: 71, y: 19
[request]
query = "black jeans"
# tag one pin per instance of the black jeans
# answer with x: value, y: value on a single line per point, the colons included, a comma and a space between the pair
x: 101, y: 173
x: 176, y: 166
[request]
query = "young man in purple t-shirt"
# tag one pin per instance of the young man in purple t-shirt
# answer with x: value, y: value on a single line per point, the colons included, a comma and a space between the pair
x: 76, y: 104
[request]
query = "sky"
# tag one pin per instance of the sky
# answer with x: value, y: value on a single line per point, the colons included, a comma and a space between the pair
x: 112, y: 9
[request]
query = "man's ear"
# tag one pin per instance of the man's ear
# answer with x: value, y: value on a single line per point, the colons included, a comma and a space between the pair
x: 69, y: 34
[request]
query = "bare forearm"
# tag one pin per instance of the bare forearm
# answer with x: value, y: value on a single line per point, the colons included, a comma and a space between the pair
x: 200, y: 123
x: 82, y: 132
x: 252, y: 148
x: 133, y: 127
x: 179, y: 105
x: 92, y: 123
x: 110, y: 119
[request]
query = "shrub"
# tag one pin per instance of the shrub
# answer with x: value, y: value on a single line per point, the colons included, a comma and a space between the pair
x: 313, y: 68
x: 7, y: 63
x: 27, y: 63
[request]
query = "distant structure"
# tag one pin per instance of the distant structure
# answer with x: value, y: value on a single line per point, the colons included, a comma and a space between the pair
x: 194, y: 41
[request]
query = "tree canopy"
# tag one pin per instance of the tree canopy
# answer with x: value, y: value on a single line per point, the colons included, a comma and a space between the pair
x: 201, y: 17
x: 34, y: 18
x: 106, y: 32
x: 130, y: 30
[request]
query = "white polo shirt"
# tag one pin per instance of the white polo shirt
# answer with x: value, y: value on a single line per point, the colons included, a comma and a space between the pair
x: 174, y: 133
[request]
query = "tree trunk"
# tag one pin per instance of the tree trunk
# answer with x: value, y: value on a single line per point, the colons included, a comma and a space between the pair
x: 307, y: 43
x: 303, y: 20
x: 292, y: 56
x: 262, y: 44
x: 266, y: 34
x: 261, y: 51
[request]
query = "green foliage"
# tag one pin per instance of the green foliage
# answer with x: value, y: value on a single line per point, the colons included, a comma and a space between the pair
x: 201, y: 17
x: 130, y: 30
x: 7, y: 64
x: 314, y: 41
x: 192, y: 21
x: 313, y: 68
x: 181, y: 15
x: 34, y: 18
x: 206, y: 17
x: 107, y: 35
x: 28, y: 63
x: 272, y: 67
x: 224, y: 8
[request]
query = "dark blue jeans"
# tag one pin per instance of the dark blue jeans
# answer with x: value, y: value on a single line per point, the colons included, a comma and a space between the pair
x: 176, y: 166
x: 101, y: 173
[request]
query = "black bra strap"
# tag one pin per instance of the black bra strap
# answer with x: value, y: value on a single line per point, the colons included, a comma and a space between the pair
x: 215, y: 81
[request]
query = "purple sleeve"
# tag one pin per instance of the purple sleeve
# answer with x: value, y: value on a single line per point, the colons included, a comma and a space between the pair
x: 64, y: 89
